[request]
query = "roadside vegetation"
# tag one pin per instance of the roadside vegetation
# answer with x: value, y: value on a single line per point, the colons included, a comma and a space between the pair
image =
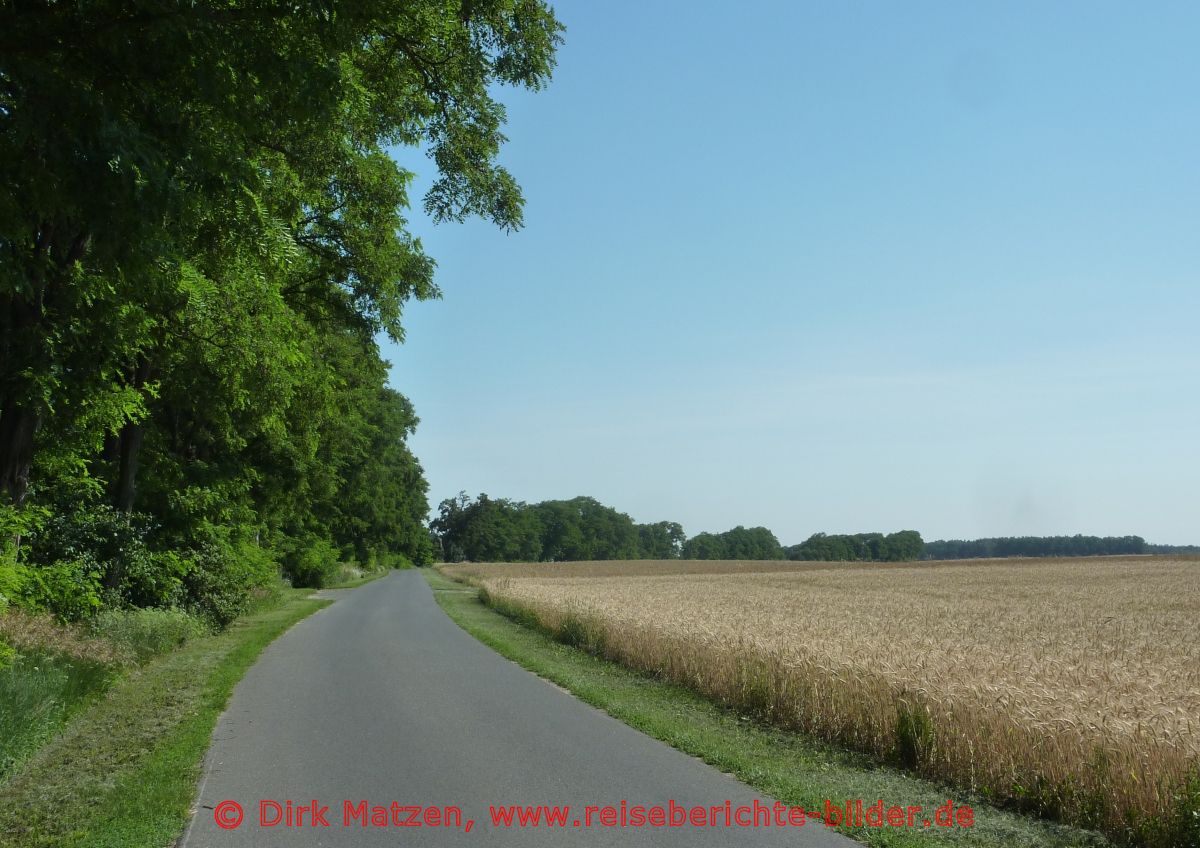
x: 1065, y: 688
x: 112, y: 733
x: 794, y: 767
x: 204, y: 241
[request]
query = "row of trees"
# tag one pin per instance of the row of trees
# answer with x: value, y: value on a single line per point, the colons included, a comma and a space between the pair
x: 1038, y: 546
x: 201, y: 239
x: 487, y: 529
x: 903, y: 546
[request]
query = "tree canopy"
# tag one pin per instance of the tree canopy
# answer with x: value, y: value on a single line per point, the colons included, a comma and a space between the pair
x: 484, y: 529
x: 902, y: 546
x: 753, y: 543
x: 1037, y: 546
x: 202, y: 235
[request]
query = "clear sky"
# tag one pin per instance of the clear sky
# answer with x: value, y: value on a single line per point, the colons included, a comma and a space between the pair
x: 836, y: 266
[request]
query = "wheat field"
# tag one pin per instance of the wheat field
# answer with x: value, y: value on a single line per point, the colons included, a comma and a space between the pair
x: 1071, y: 686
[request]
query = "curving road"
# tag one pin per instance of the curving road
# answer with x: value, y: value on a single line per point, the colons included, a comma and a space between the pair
x: 381, y: 698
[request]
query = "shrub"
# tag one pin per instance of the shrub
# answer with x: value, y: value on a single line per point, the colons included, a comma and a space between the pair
x: 220, y: 577
x: 70, y: 589
x: 311, y: 562
x: 12, y: 582
x: 152, y: 579
x: 399, y: 562
x: 117, y: 546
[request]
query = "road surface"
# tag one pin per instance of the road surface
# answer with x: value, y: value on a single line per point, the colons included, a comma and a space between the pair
x: 381, y: 698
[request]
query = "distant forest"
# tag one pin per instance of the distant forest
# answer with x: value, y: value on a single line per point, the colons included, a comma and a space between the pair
x: 1049, y: 546
x: 486, y: 529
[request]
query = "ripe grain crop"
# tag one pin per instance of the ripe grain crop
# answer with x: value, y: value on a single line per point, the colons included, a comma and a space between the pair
x: 1071, y: 687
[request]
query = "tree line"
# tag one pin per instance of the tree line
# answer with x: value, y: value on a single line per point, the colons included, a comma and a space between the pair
x: 1046, y: 546
x: 902, y: 546
x: 485, y: 529
x: 202, y: 236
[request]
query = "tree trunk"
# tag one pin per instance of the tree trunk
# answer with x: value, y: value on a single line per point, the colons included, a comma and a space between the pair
x: 125, y: 486
x: 17, y: 427
x: 24, y: 350
x: 129, y: 449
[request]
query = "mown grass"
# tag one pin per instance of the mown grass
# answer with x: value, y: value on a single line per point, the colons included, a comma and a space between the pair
x: 792, y: 767
x: 123, y: 772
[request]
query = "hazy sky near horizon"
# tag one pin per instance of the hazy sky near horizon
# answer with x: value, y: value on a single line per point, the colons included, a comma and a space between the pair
x: 835, y: 267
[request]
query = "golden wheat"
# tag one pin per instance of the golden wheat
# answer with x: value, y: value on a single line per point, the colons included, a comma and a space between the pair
x: 1072, y: 685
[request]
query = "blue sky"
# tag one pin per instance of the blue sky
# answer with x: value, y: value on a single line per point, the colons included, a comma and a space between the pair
x: 835, y: 267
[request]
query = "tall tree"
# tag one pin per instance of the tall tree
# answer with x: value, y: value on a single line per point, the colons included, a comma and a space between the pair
x: 140, y: 144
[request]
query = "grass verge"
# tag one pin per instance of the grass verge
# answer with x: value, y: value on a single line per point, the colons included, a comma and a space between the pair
x: 123, y: 773
x: 796, y: 769
x: 39, y: 693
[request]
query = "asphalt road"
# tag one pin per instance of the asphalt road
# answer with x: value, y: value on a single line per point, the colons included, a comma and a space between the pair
x: 381, y: 698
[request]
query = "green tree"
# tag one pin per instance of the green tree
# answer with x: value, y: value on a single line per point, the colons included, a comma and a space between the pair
x: 142, y: 145
x: 202, y: 235
x: 661, y: 540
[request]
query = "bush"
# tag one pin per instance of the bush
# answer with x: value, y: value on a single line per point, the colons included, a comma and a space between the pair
x: 117, y: 547
x: 220, y: 577
x: 383, y: 560
x: 148, y: 632
x: 311, y: 562
x: 71, y: 589
x: 12, y: 582
x: 152, y: 579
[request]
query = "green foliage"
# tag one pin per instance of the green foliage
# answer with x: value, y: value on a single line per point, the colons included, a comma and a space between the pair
x: 497, y: 530
x: 221, y: 577
x: 1041, y: 546
x: 662, y: 540
x: 12, y: 582
x: 754, y: 543
x: 311, y: 563
x: 488, y: 530
x: 188, y: 319
x: 146, y: 633
x: 70, y: 589
x: 903, y: 546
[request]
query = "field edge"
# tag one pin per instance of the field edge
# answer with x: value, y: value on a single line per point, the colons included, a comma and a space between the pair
x: 788, y: 766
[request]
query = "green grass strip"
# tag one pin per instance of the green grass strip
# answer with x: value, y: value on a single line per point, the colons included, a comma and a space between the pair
x: 796, y: 769
x: 123, y: 773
